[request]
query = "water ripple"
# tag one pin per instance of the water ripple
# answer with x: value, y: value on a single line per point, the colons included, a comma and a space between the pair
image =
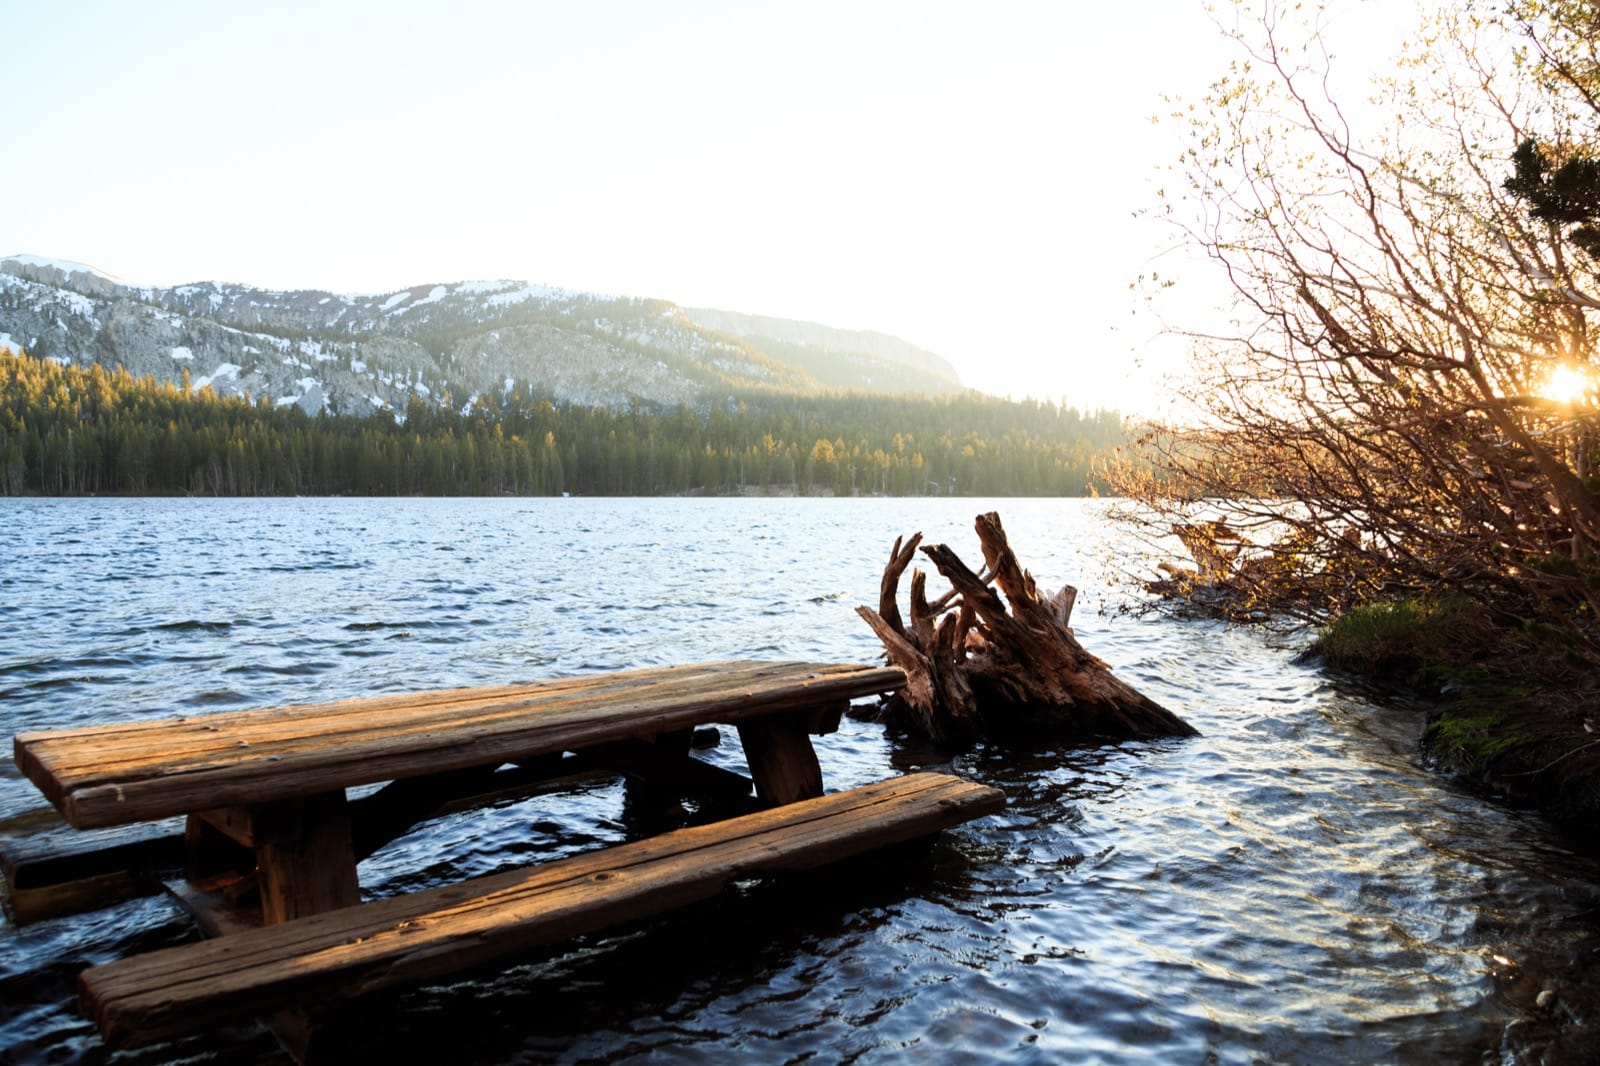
x: 1290, y: 886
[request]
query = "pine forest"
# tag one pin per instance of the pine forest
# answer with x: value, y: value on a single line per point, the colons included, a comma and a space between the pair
x: 70, y: 430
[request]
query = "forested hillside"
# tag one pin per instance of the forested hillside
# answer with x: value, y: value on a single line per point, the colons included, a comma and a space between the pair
x: 79, y: 430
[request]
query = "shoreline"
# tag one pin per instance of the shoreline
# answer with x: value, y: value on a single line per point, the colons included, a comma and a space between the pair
x: 1527, y: 745
x: 1531, y: 751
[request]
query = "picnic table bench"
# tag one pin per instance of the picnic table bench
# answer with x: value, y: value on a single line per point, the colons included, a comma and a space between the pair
x: 272, y: 841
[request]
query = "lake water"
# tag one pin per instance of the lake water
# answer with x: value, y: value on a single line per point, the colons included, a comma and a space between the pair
x: 1292, y: 886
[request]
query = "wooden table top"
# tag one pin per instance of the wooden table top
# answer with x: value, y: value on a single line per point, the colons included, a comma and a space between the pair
x: 135, y: 771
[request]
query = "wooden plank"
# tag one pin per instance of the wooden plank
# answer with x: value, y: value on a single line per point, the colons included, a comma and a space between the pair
x: 49, y: 860
x: 48, y: 878
x: 138, y: 771
x: 76, y: 752
x: 314, y: 734
x: 343, y: 720
x: 444, y: 930
x: 90, y: 892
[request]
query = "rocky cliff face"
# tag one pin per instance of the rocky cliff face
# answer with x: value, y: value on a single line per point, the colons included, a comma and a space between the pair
x: 359, y: 353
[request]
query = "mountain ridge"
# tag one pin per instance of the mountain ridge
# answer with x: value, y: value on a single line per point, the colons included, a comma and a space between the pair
x: 364, y: 353
x: 818, y: 348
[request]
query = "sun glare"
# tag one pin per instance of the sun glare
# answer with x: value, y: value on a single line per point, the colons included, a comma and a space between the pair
x: 1567, y: 384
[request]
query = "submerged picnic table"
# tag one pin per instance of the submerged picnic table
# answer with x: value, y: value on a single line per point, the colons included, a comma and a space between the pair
x: 267, y: 816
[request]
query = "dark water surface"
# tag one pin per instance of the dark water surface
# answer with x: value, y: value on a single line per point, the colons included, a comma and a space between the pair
x: 1291, y: 887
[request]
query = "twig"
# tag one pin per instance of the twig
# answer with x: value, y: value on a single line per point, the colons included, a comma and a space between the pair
x: 1558, y: 758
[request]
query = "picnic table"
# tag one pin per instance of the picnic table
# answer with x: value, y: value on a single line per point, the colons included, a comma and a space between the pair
x: 272, y: 838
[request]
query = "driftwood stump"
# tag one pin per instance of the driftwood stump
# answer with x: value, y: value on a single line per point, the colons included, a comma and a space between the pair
x: 975, y: 666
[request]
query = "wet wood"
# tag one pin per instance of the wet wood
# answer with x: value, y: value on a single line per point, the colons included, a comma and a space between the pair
x: 47, y: 877
x: 130, y: 772
x: 979, y: 663
x: 440, y: 931
x: 34, y: 862
x: 305, y: 860
x: 89, y: 892
x: 216, y: 905
x: 781, y: 758
x: 681, y: 774
x: 235, y: 823
x: 392, y: 810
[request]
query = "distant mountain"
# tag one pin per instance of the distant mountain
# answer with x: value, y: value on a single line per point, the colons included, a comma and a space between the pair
x: 362, y: 353
x: 838, y: 358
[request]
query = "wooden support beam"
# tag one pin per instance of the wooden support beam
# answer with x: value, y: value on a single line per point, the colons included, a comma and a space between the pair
x: 210, y: 852
x: 781, y: 759
x: 49, y: 877
x: 232, y: 822
x: 668, y: 766
x: 391, y: 811
x: 220, y: 906
x: 305, y: 857
x: 825, y: 718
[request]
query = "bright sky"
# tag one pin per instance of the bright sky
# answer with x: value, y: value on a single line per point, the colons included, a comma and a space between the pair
x: 964, y: 176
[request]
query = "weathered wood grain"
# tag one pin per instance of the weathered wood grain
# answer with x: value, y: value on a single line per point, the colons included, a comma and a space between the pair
x: 979, y: 663
x: 427, y: 934
x: 781, y: 758
x: 122, y: 773
x: 304, y: 856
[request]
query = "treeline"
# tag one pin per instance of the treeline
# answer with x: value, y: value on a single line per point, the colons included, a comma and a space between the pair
x: 67, y: 430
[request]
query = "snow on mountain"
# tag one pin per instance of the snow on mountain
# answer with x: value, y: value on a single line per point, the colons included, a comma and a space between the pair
x: 64, y: 266
x: 358, y: 353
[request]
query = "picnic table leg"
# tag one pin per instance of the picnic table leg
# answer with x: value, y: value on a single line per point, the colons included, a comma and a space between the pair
x: 301, y: 851
x: 304, y: 855
x: 781, y: 758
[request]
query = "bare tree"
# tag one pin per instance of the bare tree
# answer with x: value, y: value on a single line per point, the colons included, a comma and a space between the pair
x: 1402, y: 403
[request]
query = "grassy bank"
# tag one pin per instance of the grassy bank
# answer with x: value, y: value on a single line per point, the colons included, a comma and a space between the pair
x: 1515, y: 708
